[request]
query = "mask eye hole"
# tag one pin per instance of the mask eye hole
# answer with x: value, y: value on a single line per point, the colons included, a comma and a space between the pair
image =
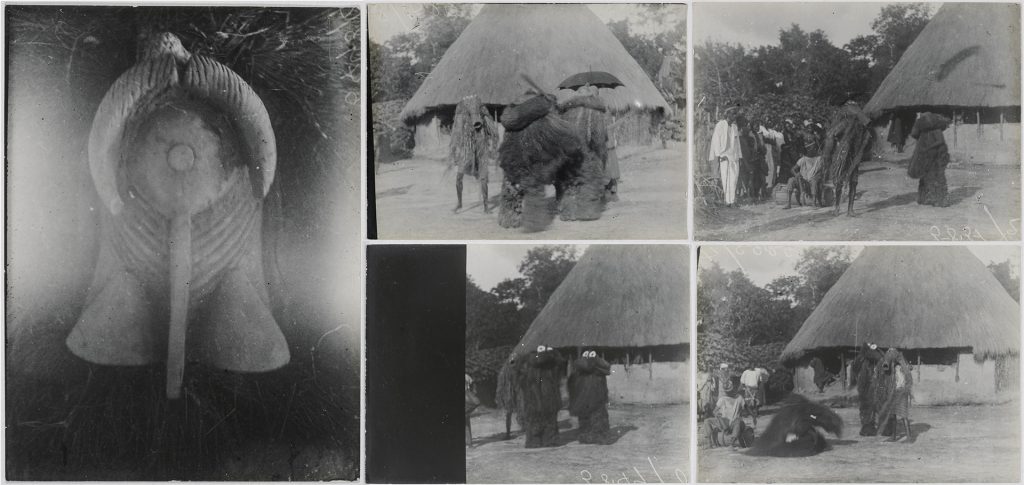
x: 593, y: 354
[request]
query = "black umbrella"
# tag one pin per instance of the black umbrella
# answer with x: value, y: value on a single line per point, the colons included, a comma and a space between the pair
x: 600, y: 79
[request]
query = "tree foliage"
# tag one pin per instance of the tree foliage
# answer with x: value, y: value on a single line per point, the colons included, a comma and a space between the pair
x: 745, y: 324
x: 399, y: 66
x: 1007, y: 277
x: 896, y: 27
x: 804, y: 66
x: 501, y: 316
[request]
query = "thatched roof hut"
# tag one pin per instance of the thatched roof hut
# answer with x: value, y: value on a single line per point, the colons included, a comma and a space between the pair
x: 621, y: 296
x: 967, y: 56
x: 549, y: 43
x: 631, y: 303
x: 920, y: 297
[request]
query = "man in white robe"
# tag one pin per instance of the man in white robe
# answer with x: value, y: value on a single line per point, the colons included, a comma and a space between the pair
x: 725, y: 149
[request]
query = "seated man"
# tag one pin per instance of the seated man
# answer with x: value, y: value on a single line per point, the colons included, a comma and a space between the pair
x: 805, y: 178
x: 727, y: 427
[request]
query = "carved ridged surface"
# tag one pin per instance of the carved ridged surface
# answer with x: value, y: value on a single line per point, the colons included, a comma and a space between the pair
x: 211, y: 80
x: 221, y: 236
x: 137, y: 87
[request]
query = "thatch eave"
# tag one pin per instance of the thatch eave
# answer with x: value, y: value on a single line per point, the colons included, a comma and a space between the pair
x: 618, y: 296
x: 913, y: 298
x: 967, y: 56
x: 548, y: 43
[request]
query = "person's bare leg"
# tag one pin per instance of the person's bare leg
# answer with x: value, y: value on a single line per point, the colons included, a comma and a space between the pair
x: 458, y: 192
x: 483, y: 192
x: 852, y: 196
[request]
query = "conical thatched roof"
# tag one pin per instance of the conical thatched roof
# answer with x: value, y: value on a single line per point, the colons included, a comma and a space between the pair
x: 618, y: 296
x: 914, y: 298
x: 546, y: 42
x: 967, y: 56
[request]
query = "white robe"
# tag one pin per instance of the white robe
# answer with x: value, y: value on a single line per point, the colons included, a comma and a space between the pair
x: 725, y: 144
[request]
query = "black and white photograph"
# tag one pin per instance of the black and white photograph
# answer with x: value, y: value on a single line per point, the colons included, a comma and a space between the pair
x: 577, y: 363
x: 182, y: 277
x: 527, y: 121
x: 857, y: 121
x: 877, y: 364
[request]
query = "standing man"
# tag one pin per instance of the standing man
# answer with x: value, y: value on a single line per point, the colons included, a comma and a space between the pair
x: 725, y: 150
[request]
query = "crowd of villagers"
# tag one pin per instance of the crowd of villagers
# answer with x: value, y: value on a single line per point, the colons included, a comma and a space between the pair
x: 529, y: 387
x: 726, y: 398
x: 755, y: 153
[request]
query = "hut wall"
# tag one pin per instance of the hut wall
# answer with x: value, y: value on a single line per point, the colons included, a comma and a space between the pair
x: 936, y: 384
x: 803, y: 380
x: 1008, y: 374
x: 973, y: 144
x: 431, y: 140
x: 650, y: 383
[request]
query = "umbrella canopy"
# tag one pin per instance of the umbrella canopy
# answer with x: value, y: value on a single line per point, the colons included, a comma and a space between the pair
x: 600, y: 79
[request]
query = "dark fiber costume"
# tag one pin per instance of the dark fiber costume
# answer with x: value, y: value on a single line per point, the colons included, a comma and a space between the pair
x: 864, y: 368
x: 507, y: 394
x: 539, y: 385
x: 588, y: 399
x: 792, y: 430
x: 582, y: 192
x: 930, y: 159
x: 822, y: 377
x: 473, y: 145
x: 893, y: 384
x: 847, y: 143
x: 539, y: 148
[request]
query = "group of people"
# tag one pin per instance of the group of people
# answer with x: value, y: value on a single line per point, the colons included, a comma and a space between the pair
x: 529, y: 387
x: 724, y: 397
x: 753, y: 156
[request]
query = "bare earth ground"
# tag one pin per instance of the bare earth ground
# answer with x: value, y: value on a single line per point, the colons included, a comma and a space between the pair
x: 653, y: 446
x: 952, y: 444
x: 415, y: 199
x: 985, y: 202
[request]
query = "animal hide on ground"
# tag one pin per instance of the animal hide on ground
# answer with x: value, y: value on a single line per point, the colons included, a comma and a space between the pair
x: 792, y: 430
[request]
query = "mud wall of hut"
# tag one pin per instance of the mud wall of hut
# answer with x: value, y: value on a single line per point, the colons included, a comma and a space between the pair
x: 960, y: 380
x: 989, y: 143
x: 431, y: 139
x: 650, y: 383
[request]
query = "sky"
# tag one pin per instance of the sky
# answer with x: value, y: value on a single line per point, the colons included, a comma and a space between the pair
x: 762, y: 266
x: 755, y: 25
x: 389, y: 19
x: 489, y: 264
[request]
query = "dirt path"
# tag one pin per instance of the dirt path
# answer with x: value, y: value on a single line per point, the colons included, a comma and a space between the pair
x: 653, y: 446
x: 415, y: 200
x: 952, y: 444
x: 985, y: 203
